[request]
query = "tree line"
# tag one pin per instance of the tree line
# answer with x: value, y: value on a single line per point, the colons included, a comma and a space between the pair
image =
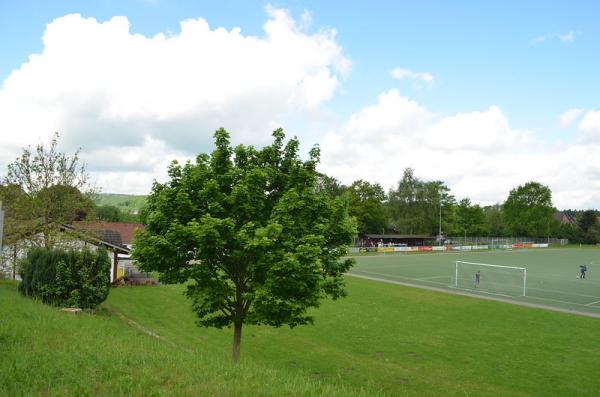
x: 418, y: 207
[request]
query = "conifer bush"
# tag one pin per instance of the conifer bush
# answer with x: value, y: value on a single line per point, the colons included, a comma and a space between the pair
x: 66, y: 278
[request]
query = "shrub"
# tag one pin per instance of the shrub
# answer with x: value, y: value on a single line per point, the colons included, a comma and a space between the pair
x: 66, y: 278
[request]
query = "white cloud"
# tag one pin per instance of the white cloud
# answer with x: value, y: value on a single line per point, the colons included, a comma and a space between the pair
x: 590, y: 125
x: 478, y: 154
x: 564, y: 38
x: 400, y: 73
x: 104, y: 88
x: 568, y: 117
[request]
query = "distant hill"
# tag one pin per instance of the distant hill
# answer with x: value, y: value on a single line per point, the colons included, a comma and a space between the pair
x: 128, y: 203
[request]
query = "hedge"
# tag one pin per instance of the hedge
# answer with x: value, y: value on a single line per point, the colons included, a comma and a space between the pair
x: 66, y: 278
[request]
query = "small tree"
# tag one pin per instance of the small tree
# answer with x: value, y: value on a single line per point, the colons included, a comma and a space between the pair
x: 251, y: 232
x: 55, y: 190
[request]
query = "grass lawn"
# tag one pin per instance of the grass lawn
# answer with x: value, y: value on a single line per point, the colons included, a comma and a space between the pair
x: 552, y: 274
x: 382, y: 339
x: 45, y: 352
x: 403, y: 341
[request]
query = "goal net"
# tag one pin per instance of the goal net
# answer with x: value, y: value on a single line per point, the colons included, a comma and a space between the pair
x: 492, y: 279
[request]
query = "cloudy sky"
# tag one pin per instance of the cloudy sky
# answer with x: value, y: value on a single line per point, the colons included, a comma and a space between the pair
x: 483, y: 97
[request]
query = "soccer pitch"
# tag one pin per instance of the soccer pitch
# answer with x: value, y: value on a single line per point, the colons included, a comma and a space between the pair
x: 552, y: 274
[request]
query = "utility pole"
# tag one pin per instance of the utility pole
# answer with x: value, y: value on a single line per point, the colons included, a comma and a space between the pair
x: 1, y: 227
x: 440, y: 232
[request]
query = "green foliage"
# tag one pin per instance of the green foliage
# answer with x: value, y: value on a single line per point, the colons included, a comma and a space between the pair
x: 108, y: 213
x: 17, y: 207
x: 66, y: 278
x: 248, y: 227
x: 48, y: 188
x: 589, y: 226
x: 129, y: 205
x: 330, y: 185
x: 494, y: 221
x: 414, y: 206
x: 366, y: 204
x: 528, y: 210
x: 471, y: 219
x: 112, y: 213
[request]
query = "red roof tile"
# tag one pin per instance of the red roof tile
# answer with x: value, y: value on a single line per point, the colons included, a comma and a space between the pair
x: 126, y: 230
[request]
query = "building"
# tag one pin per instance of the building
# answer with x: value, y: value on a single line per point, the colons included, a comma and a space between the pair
x: 390, y: 240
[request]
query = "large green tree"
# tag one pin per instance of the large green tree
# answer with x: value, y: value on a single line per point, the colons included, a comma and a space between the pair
x: 470, y: 219
x: 415, y: 206
x: 494, y: 220
x: 250, y: 232
x: 528, y: 210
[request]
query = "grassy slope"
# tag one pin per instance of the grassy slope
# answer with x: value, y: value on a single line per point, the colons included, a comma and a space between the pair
x: 404, y: 341
x: 125, y: 202
x: 401, y: 341
x: 46, y: 352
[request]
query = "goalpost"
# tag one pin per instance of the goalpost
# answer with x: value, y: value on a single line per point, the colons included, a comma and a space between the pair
x: 493, y: 279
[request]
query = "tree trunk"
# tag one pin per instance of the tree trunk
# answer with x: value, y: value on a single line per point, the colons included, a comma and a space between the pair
x: 237, y: 340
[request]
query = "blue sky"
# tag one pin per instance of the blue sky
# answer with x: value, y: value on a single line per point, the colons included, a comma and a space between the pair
x: 533, y: 60
x: 480, y: 52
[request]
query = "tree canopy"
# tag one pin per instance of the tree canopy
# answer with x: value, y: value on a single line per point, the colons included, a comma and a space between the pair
x: 367, y: 206
x: 528, y: 210
x: 44, y: 188
x: 414, y: 206
x: 471, y: 219
x: 250, y: 231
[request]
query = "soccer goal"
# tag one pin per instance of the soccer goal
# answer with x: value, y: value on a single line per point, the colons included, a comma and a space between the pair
x: 492, y: 279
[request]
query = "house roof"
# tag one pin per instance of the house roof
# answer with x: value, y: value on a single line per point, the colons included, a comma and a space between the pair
x: 105, y: 238
x: 117, y: 233
x: 565, y: 217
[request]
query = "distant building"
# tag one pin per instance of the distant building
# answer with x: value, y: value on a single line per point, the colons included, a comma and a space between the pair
x: 117, y: 237
x: 390, y: 240
x: 565, y: 217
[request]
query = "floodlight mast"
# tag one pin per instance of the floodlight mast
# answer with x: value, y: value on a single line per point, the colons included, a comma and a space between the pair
x: 440, y: 233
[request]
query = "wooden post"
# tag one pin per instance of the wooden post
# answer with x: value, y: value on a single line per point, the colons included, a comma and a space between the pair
x: 115, y: 265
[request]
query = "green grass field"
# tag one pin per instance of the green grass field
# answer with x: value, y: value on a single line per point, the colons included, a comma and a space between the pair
x: 128, y: 203
x: 382, y: 339
x: 552, y: 274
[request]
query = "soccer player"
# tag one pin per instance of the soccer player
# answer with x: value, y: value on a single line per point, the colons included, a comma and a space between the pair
x: 582, y: 270
x: 477, y: 278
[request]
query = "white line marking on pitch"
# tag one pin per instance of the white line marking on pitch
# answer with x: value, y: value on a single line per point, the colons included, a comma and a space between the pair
x: 592, y: 303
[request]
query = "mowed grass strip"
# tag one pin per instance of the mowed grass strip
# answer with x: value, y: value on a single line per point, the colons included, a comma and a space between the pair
x: 401, y: 341
x: 46, y: 352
